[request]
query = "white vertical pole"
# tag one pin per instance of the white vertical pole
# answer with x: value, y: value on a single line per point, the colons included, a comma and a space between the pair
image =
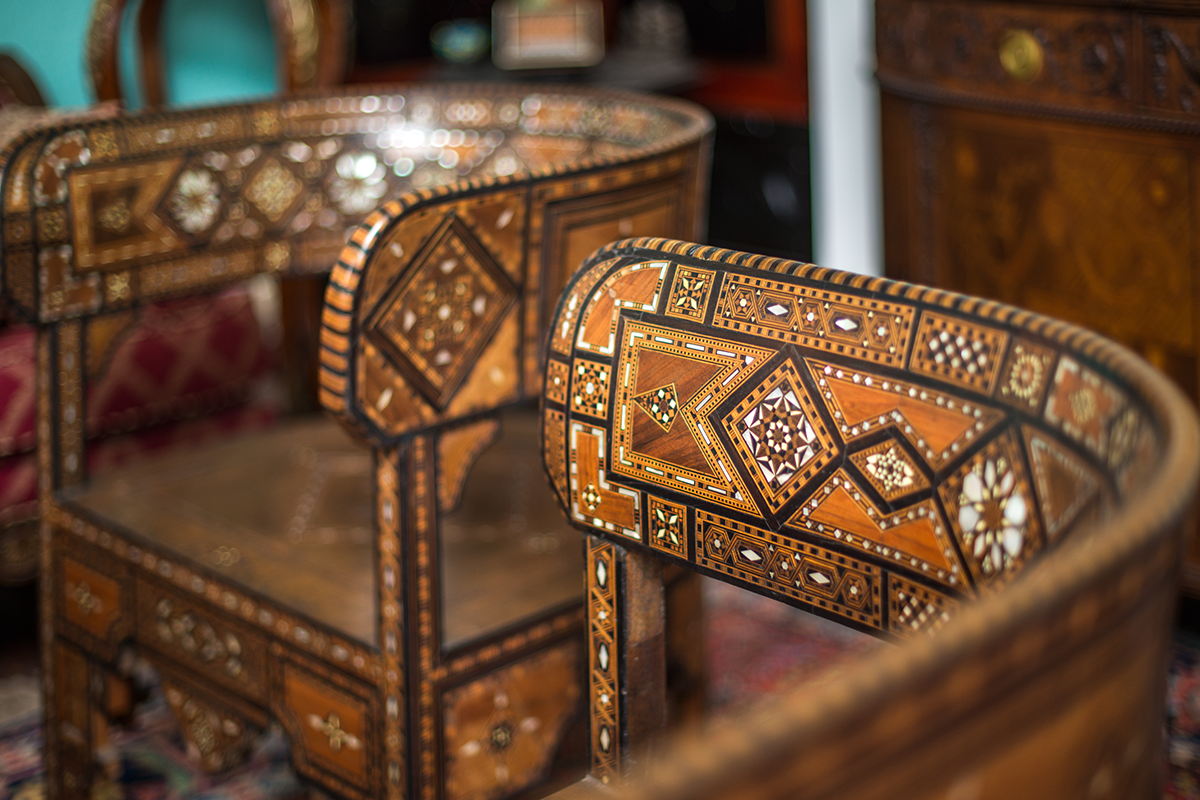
x: 844, y: 130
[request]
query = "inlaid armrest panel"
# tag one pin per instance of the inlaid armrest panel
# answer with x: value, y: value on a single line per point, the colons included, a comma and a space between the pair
x: 869, y: 451
x: 98, y: 216
x: 438, y: 307
x: 905, y: 461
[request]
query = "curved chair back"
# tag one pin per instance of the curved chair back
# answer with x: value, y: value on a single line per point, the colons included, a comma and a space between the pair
x: 435, y: 316
x: 311, y: 41
x: 1003, y: 495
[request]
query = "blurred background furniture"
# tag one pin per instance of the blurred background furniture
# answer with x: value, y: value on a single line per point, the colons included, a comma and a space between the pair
x: 746, y: 61
x: 185, y: 372
x: 916, y: 464
x: 287, y: 602
x: 1042, y: 154
x: 311, y: 46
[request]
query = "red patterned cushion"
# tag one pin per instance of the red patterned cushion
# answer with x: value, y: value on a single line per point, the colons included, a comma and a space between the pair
x: 184, y: 359
x: 16, y: 391
x: 182, y: 374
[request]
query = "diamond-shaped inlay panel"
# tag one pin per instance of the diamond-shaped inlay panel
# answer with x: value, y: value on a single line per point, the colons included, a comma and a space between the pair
x: 779, y: 435
x: 890, y: 470
x: 273, y: 189
x: 441, y: 311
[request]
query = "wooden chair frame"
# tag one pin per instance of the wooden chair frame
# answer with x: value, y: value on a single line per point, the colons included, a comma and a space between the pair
x: 103, y: 586
x: 311, y: 36
x: 1045, y: 676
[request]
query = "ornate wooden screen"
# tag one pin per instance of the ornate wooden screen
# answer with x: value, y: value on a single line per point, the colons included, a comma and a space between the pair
x: 894, y: 458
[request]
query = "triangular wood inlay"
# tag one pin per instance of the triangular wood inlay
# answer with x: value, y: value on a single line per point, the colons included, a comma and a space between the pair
x: 661, y: 405
x: 936, y: 424
x: 675, y: 444
x: 839, y: 511
x: 1064, y: 484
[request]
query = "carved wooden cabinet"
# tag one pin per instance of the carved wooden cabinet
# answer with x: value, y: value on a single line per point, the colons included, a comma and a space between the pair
x: 398, y: 602
x: 1046, y: 155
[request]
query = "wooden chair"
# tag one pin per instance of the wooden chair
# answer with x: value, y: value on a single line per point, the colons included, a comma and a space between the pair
x: 312, y: 40
x: 298, y: 575
x: 1004, y: 496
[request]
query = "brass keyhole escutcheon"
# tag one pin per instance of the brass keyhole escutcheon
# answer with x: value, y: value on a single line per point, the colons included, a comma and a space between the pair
x: 1021, y: 55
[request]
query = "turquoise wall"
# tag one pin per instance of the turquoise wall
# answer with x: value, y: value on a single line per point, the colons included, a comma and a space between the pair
x: 216, y: 49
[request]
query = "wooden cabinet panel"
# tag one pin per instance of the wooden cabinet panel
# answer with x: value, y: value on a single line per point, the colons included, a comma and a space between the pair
x: 1069, y: 191
x: 330, y: 722
x: 501, y: 731
x: 1042, y: 215
x: 1172, y: 77
x: 1011, y: 50
x: 91, y: 601
x: 230, y: 655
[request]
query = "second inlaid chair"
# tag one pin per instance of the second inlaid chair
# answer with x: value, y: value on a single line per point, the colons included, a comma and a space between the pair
x: 1004, y: 496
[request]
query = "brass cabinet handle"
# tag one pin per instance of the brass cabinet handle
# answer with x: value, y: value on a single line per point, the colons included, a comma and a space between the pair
x: 1021, y: 55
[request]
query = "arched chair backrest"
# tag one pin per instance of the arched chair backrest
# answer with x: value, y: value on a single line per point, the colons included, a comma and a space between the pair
x: 312, y: 41
x: 495, y: 192
x: 1004, y: 495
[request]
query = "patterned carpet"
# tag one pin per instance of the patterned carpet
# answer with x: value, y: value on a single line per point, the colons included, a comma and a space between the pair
x: 745, y: 661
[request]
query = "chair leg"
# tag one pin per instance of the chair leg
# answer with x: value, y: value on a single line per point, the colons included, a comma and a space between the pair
x: 627, y: 658
x: 71, y: 713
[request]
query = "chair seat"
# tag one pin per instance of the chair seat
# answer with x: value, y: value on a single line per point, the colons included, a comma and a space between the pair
x: 287, y: 513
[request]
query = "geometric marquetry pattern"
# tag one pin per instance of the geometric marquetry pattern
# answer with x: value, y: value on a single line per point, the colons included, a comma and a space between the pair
x: 274, y: 187
x: 589, y: 388
x: 779, y: 436
x: 602, y: 660
x: 960, y: 352
x: 670, y: 389
x: 1026, y: 374
x: 558, y: 377
x: 441, y: 311
x: 689, y: 293
x: 990, y: 503
x: 912, y: 539
x: 913, y: 608
x: 824, y: 578
x: 937, y: 423
x: 890, y: 469
x: 668, y: 526
x: 869, y: 329
x: 1065, y: 484
x: 900, y: 456
x: 1082, y: 404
